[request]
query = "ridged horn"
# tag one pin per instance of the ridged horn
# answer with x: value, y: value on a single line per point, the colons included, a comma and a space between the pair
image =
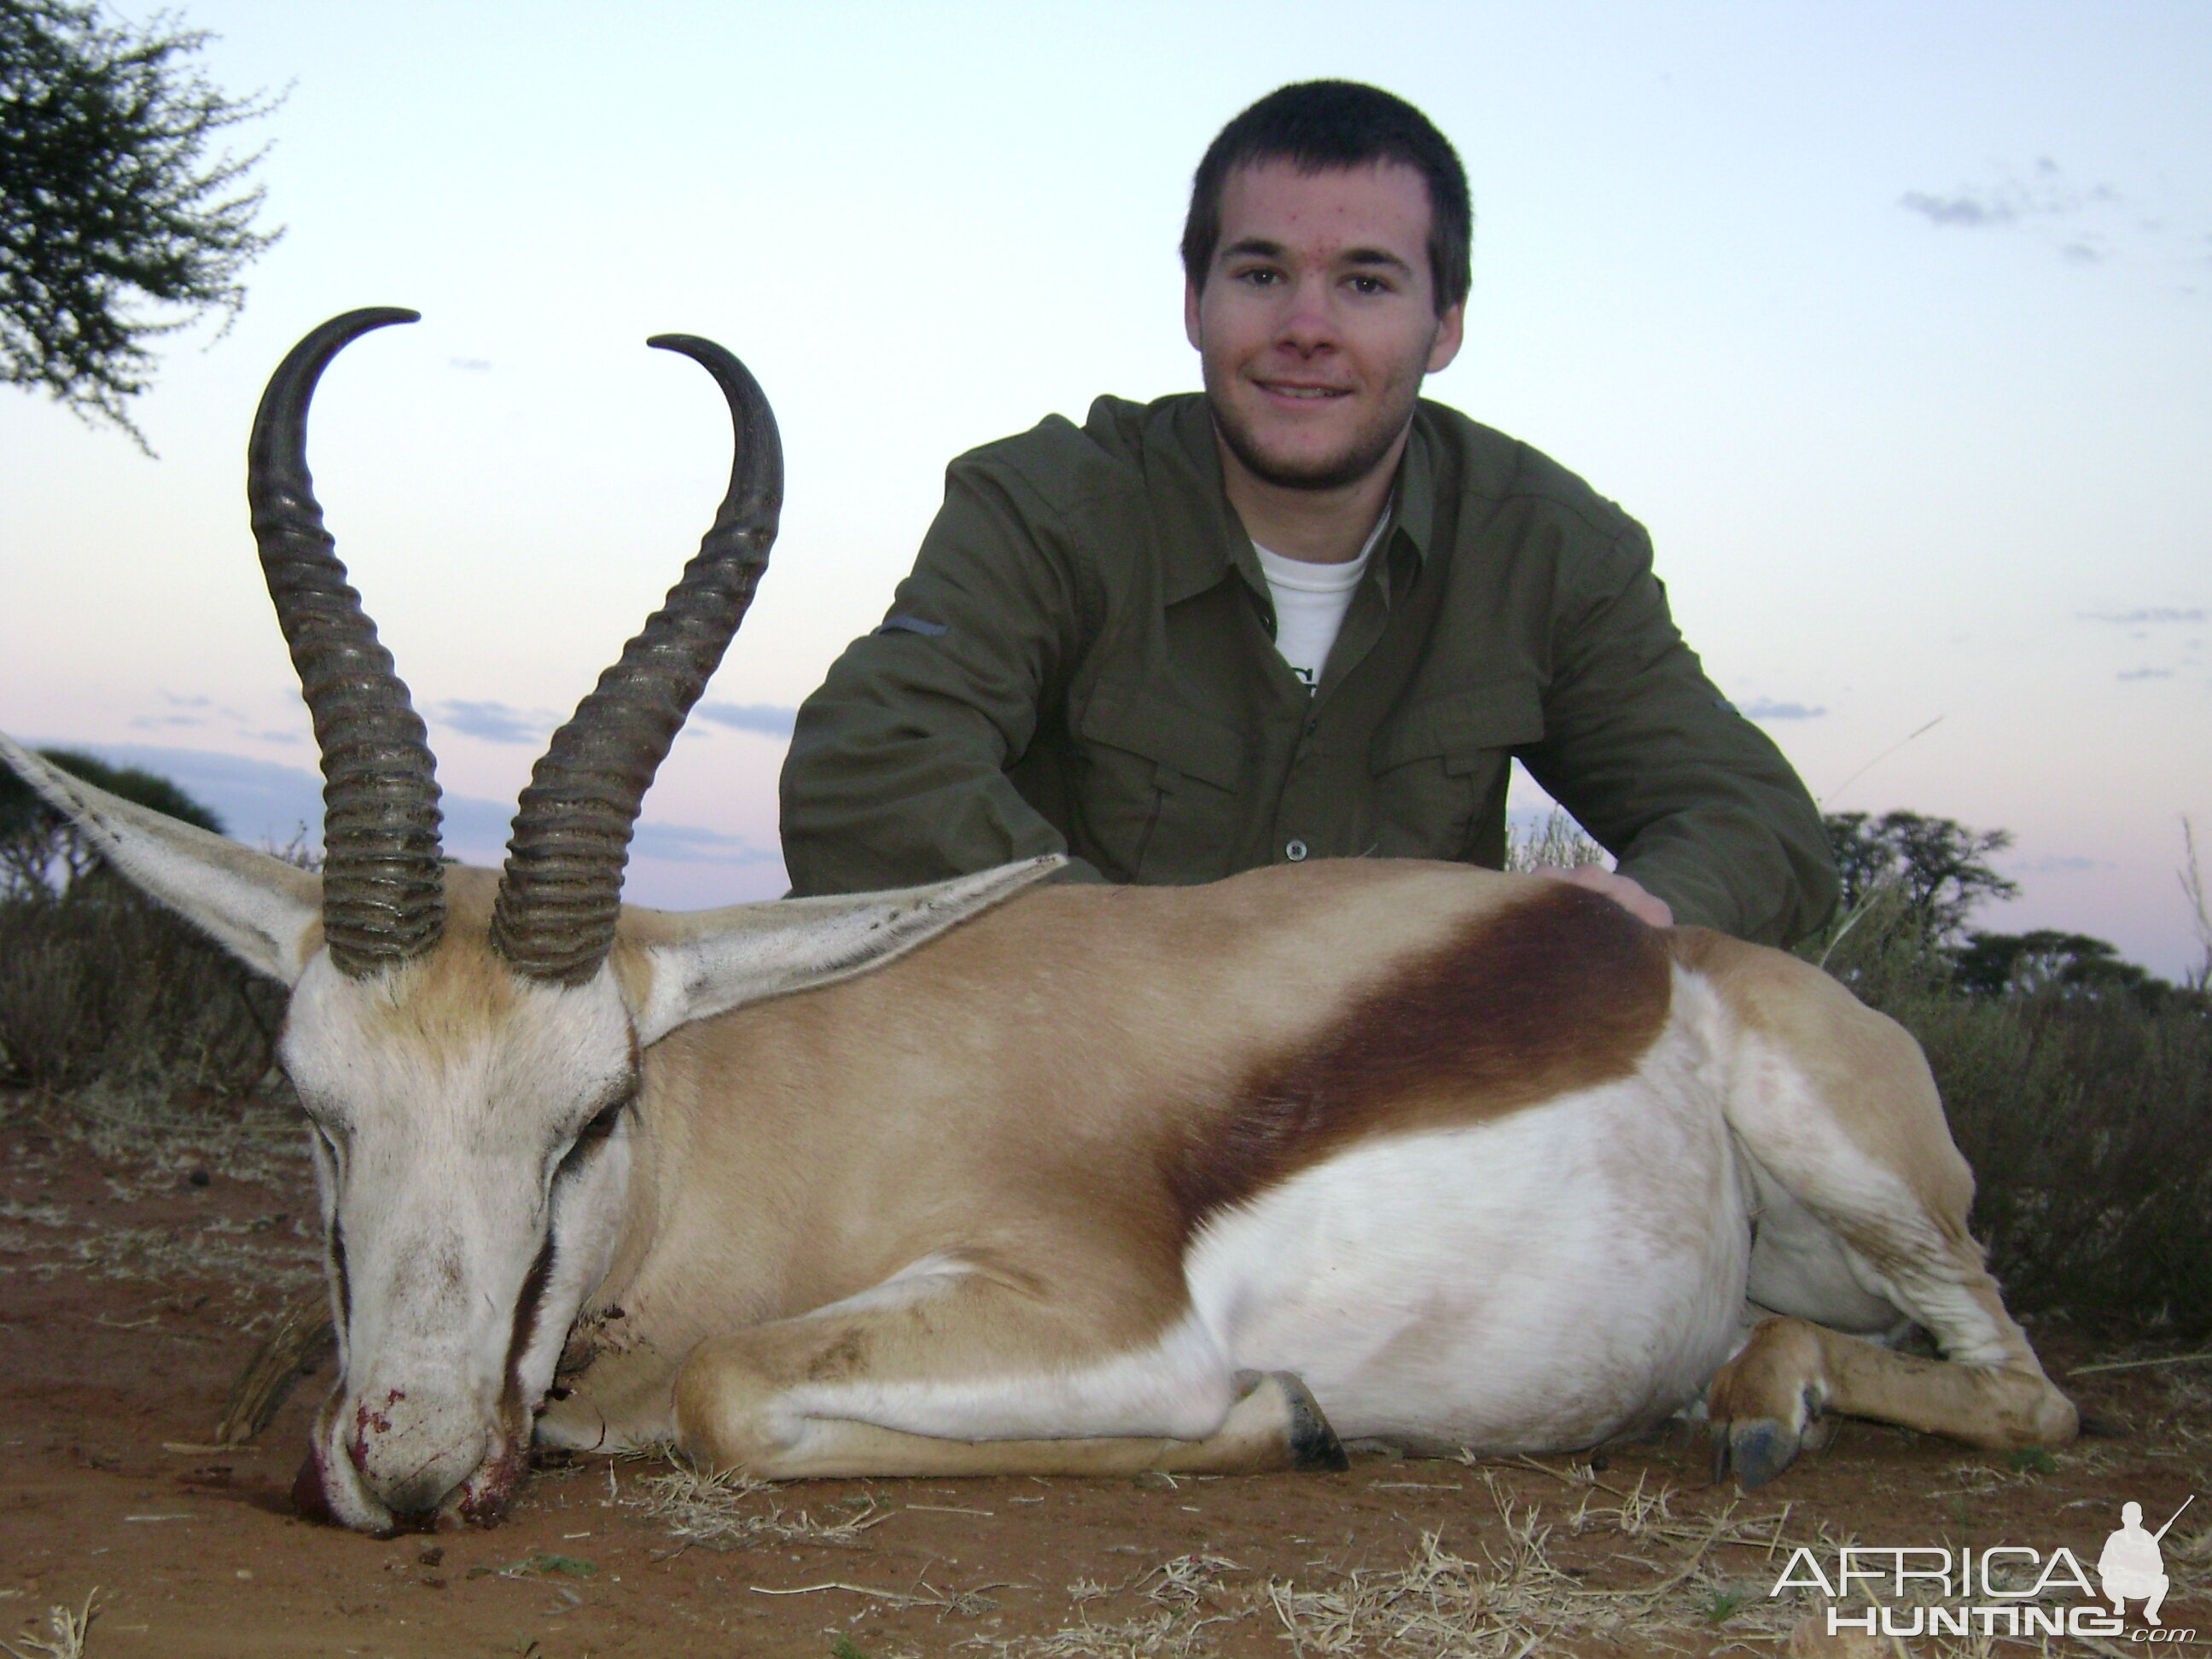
x: 561, y: 892
x: 383, y: 895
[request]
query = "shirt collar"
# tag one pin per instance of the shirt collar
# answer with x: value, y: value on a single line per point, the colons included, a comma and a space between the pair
x: 1183, y: 478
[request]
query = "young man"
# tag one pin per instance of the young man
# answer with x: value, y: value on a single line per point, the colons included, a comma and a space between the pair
x: 1304, y: 614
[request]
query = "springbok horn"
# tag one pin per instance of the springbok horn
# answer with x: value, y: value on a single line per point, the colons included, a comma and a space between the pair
x: 383, y: 895
x: 561, y: 892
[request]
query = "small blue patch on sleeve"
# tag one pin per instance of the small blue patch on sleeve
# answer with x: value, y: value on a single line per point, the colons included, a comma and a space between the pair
x: 912, y: 625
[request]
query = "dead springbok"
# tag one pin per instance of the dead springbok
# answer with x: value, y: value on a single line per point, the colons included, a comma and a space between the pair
x: 1103, y: 1180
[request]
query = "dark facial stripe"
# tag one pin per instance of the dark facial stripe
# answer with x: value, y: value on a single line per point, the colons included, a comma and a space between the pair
x: 338, y: 1271
x: 1563, y: 991
x: 526, y: 1309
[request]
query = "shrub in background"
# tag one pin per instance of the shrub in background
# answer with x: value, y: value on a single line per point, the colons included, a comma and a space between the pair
x: 98, y: 982
x: 101, y: 983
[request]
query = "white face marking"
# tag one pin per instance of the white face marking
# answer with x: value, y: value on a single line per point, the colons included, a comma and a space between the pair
x: 468, y: 1219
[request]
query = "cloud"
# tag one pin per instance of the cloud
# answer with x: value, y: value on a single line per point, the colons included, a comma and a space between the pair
x: 1766, y: 708
x: 268, y: 802
x: 155, y: 722
x: 494, y: 723
x: 2057, y: 864
x: 1966, y: 207
x: 769, y: 719
x: 2046, y: 199
x: 686, y: 844
x: 2045, y: 194
x: 262, y: 801
x: 2147, y: 674
x: 474, y: 365
x: 2158, y: 613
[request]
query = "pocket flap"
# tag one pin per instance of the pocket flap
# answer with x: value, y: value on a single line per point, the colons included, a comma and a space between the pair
x: 1169, y: 734
x: 1499, y: 714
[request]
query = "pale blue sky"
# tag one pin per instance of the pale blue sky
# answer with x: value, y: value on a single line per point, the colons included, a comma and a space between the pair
x: 1892, y: 323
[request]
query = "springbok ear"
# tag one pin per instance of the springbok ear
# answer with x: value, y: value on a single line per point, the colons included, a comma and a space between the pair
x: 263, y: 911
x: 708, y: 961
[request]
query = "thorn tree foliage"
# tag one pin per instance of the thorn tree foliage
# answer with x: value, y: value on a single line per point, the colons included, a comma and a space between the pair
x: 118, y: 222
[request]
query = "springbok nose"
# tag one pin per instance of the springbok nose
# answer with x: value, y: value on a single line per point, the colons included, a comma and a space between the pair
x: 412, y: 1452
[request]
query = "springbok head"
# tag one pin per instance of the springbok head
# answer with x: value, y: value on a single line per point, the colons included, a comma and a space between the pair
x: 468, y: 1049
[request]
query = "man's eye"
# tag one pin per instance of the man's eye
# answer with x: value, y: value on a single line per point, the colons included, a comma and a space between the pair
x: 1370, y: 285
x: 1262, y: 277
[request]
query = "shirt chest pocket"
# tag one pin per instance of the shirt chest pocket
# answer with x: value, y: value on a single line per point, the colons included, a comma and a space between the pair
x: 1440, y: 768
x: 1161, y: 789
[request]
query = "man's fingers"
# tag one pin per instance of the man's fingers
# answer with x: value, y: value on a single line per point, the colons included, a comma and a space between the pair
x: 1624, y: 890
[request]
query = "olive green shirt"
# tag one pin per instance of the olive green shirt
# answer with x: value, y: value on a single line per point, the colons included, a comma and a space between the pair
x: 1082, y: 660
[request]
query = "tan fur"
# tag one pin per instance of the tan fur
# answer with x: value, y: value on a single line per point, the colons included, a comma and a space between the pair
x: 1200, y: 1045
x: 1864, y: 1062
x: 443, y: 1000
x: 950, y: 1056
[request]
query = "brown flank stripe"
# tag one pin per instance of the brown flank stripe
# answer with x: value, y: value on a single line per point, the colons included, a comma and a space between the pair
x: 1563, y: 991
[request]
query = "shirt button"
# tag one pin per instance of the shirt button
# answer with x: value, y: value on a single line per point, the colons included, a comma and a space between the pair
x: 1296, y: 851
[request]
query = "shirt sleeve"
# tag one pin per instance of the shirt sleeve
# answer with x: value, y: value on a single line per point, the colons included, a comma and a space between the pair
x: 1695, y: 802
x: 897, y: 770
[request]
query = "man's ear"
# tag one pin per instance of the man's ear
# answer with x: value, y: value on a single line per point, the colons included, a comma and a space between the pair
x: 708, y: 961
x: 1190, y: 313
x: 1451, y: 334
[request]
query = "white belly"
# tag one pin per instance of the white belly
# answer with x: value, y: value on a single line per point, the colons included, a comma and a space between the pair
x: 1543, y: 1280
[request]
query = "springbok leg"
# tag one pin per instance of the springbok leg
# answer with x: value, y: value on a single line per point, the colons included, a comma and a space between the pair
x: 972, y: 1378
x: 1766, y: 1400
x: 1835, y: 1106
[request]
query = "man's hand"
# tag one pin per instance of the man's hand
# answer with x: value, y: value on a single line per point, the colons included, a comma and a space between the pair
x: 1621, y: 890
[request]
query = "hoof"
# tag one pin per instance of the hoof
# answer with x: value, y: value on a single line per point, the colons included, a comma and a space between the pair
x: 1314, y: 1445
x: 1758, y: 1448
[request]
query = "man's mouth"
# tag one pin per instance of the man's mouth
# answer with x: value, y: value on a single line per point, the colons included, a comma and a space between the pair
x: 1302, y: 394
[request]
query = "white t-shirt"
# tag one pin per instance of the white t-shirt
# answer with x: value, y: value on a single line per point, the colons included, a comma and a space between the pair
x: 1310, y: 600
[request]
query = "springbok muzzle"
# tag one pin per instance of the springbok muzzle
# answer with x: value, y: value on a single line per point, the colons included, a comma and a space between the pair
x: 383, y: 1458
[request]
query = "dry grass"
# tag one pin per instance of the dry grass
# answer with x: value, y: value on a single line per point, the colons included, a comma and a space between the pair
x: 145, y: 1147
x: 731, y: 1511
x: 1559, y: 844
x: 1601, y: 1568
x: 66, y: 1628
x: 252, y: 1256
x: 149, y: 1138
x: 1184, y: 1599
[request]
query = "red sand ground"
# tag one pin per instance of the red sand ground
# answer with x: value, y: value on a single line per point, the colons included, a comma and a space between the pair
x: 130, y: 1296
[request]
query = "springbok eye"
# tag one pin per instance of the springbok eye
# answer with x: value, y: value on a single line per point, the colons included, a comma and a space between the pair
x: 603, y: 1122
x: 589, y: 1138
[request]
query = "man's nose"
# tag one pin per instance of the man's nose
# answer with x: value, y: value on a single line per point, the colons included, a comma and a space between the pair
x: 1309, y: 320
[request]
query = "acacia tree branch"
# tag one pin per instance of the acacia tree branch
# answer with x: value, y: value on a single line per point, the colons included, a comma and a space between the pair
x: 119, y: 221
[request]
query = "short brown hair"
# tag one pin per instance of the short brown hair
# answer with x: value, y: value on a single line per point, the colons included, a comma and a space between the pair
x: 1321, y: 125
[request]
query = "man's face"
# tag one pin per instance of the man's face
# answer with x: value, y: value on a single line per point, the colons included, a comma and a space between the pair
x: 1318, y: 320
